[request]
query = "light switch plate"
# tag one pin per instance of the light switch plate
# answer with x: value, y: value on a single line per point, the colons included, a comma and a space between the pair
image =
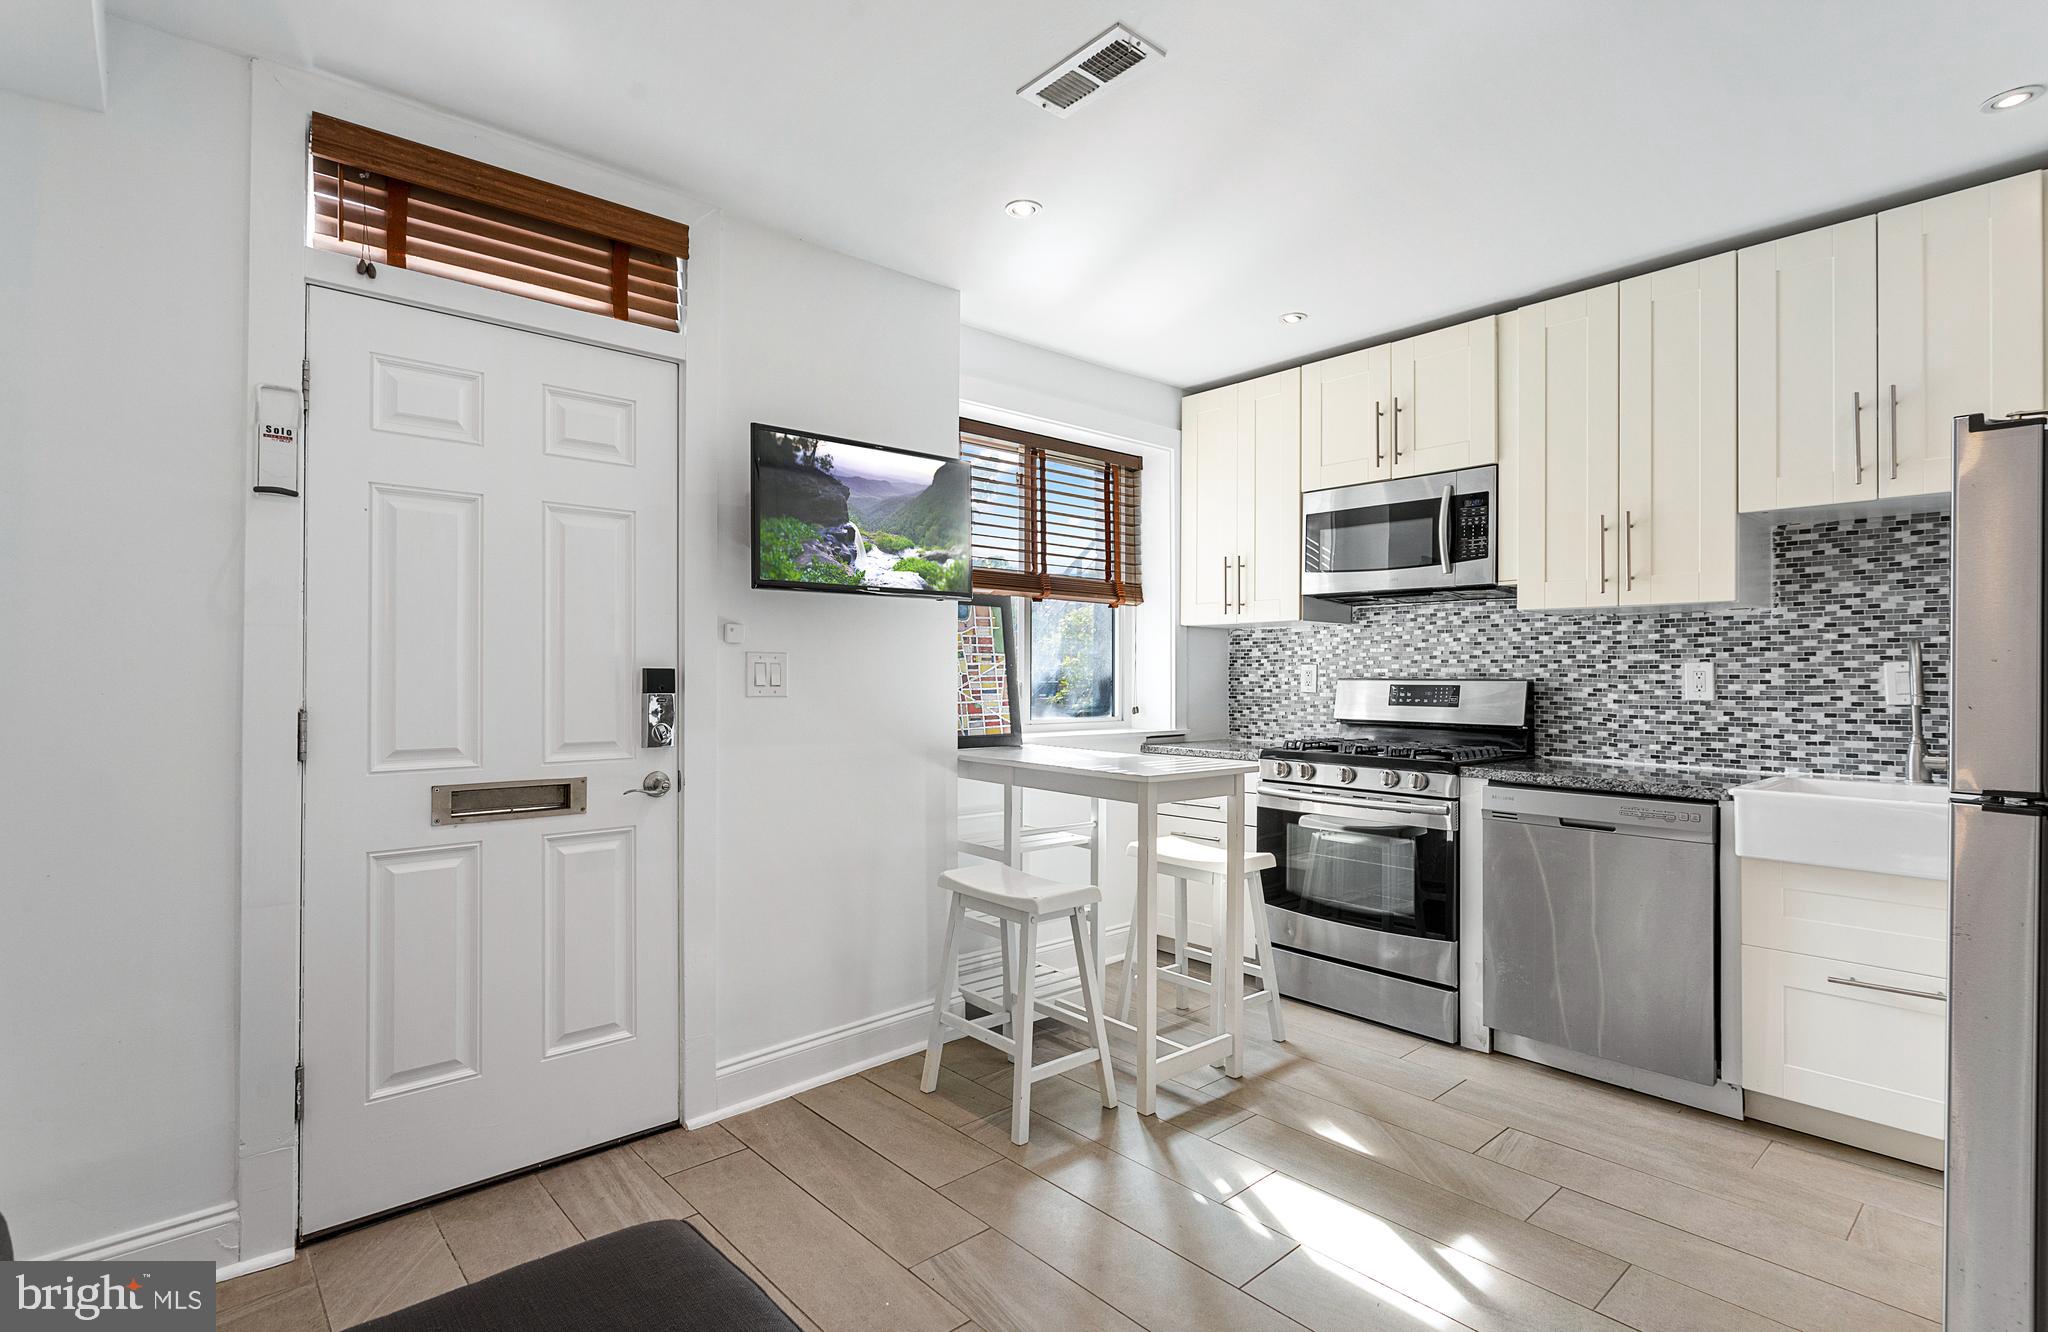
x: 1305, y: 675
x: 767, y: 675
x: 1898, y: 684
x: 1696, y: 684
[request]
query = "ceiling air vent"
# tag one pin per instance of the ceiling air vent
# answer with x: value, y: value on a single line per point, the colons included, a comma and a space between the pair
x: 1081, y: 77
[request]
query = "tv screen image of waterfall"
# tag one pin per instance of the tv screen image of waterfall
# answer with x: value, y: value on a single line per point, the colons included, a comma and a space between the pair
x: 836, y: 515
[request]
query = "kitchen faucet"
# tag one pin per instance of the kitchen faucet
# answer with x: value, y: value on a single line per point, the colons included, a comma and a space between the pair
x: 1921, y: 766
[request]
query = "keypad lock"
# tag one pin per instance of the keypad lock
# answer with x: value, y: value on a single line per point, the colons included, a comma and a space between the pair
x: 658, y: 696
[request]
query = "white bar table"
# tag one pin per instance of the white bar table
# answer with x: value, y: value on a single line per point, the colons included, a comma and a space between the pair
x: 1146, y: 781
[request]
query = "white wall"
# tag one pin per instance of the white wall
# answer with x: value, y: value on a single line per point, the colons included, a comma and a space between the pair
x: 820, y: 820
x: 835, y: 804
x: 121, y: 475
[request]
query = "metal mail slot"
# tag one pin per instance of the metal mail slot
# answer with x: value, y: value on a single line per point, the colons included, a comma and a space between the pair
x: 488, y: 802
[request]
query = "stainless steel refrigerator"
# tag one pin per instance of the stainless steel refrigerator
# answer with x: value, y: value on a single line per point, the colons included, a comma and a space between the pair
x: 1998, y: 784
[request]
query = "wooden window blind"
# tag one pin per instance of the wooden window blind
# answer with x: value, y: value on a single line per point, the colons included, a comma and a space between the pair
x: 1053, y: 520
x: 415, y: 207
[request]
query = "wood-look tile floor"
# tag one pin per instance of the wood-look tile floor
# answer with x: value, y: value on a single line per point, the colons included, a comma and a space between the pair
x: 1355, y: 1178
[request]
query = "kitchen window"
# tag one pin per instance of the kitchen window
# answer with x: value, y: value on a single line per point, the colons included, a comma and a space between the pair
x: 1056, y: 526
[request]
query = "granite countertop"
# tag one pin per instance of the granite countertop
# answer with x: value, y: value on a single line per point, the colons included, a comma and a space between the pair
x: 1643, y: 779
x: 1224, y: 747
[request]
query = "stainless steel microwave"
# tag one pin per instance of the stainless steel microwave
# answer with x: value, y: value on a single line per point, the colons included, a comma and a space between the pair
x: 1417, y: 534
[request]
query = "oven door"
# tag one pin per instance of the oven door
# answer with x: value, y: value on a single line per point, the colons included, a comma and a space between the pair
x: 1416, y: 534
x: 1373, y: 884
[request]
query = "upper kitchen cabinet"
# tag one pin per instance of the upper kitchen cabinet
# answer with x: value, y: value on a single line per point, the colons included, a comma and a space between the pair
x: 1807, y: 368
x: 1423, y: 404
x: 1676, y: 467
x: 1959, y: 324
x: 1443, y: 390
x: 1568, y: 366
x: 1345, y: 405
x: 1241, y: 502
x: 1862, y: 342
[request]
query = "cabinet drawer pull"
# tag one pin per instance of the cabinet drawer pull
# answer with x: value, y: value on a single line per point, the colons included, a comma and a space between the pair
x: 1397, y: 431
x: 1628, y: 550
x: 1602, y: 543
x: 1226, y: 585
x: 1379, y: 454
x: 1935, y: 995
x: 1240, y: 585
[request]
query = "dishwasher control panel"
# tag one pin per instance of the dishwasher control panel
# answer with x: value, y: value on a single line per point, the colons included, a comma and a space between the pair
x: 1599, y: 811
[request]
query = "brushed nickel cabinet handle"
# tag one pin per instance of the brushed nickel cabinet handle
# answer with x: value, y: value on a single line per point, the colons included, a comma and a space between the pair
x: 1397, y: 430
x: 1603, y: 552
x: 1628, y: 549
x: 1379, y: 412
x: 1240, y: 585
x: 1935, y: 995
x: 1895, y: 431
x: 1226, y: 585
x: 1856, y: 427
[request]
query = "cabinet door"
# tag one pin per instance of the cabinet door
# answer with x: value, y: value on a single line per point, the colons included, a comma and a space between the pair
x: 1267, y: 584
x: 1443, y: 391
x: 1807, y: 368
x: 1677, y: 460
x: 1810, y: 1037
x: 1344, y: 419
x: 1507, y: 534
x: 1569, y: 368
x: 1210, y: 443
x: 1959, y: 324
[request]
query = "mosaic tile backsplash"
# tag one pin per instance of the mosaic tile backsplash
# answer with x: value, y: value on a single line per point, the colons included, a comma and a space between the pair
x: 1796, y: 686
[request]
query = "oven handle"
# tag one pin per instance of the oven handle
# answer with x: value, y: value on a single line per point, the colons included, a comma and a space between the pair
x: 1365, y: 817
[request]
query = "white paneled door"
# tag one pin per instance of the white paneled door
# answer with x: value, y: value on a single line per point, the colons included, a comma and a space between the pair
x: 490, y: 561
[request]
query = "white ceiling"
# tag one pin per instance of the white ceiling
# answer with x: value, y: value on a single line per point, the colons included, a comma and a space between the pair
x: 1377, y: 163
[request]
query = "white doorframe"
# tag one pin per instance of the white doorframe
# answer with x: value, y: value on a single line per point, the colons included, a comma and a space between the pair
x: 281, y: 267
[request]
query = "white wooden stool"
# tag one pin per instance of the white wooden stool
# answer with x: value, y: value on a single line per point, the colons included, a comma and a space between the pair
x: 1187, y: 860
x: 1026, y: 901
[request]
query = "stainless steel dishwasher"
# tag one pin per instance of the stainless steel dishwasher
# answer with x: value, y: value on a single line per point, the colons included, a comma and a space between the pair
x: 1599, y: 928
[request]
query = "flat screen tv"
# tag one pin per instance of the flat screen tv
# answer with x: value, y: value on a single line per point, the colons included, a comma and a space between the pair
x: 836, y: 515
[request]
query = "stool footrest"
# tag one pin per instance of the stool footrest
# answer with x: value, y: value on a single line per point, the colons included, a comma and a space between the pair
x: 1054, y: 1067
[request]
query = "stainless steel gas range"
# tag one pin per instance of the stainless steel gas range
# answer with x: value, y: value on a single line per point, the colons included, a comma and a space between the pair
x: 1364, y: 826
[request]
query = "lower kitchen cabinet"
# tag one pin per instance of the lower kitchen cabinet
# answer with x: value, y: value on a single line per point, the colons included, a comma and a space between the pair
x: 1867, y: 1042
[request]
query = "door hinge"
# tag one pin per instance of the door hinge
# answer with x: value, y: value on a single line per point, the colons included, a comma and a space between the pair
x: 302, y: 735
x: 299, y: 1094
x: 305, y: 384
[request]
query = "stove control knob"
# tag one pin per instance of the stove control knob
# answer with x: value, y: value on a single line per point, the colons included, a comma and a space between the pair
x: 1419, y: 780
x: 1283, y: 769
x: 1347, y: 775
x: 1308, y: 772
x: 1390, y: 778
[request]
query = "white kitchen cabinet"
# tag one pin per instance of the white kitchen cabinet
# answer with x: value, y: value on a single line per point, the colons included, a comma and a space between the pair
x: 1676, y: 470
x: 1568, y: 366
x: 1210, y: 428
x: 1858, y: 1040
x: 1241, y: 502
x: 1959, y: 324
x: 1443, y: 387
x: 1345, y: 405
x: 1807, y: 368
x: 1507, y: 542
x: 1883, y: 920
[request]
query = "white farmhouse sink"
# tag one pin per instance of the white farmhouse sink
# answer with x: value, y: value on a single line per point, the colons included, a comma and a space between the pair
x: 1877, y: 827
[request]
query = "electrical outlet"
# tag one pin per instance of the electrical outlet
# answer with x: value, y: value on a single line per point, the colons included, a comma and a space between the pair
x: 1306, y: 676
x: 1696, y: 683
x: 1898, y: 683
x: 767, y: 675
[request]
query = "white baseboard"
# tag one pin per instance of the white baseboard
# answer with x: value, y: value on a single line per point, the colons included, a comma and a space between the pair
x: 229, y: 1271
x: 1880, y: 1138
x: 781, y: 1071
x: 212, y: 1235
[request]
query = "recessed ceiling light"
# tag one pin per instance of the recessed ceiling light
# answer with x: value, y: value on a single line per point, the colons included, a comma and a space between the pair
x: 2011, y: 98
x: 1022, y: 207
x: 1293, y: 316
